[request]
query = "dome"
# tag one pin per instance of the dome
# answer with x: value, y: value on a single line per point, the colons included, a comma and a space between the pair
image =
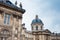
x: 37, y: 20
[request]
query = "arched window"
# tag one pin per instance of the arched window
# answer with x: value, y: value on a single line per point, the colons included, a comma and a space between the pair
x: 36, y: 27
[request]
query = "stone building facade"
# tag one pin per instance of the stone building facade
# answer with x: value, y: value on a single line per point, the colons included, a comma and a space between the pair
x: 10, y: 20
x: 11, y: 27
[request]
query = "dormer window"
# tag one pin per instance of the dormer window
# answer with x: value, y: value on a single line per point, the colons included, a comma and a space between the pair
x: 6, y: 19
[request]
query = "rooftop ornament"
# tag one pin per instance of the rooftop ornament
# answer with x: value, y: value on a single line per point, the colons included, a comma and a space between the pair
x: 20, y: 5
x: 36, y: 16
x: 16, y: 3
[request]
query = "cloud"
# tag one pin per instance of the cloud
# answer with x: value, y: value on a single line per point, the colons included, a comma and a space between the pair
x: 48, y: 11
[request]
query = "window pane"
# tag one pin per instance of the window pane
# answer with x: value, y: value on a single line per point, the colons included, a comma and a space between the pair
x: 5, y: 18
x: 8, y: 19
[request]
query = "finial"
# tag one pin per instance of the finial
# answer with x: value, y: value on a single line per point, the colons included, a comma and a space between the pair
x: 16, y: 3
x: 20, y: 5
x: 36, y: 16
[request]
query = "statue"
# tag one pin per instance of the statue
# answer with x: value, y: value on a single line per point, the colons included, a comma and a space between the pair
x: 16, y: 3
x: 20, y: 5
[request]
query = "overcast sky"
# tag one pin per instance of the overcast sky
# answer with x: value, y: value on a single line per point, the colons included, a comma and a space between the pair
x: 47, y: 10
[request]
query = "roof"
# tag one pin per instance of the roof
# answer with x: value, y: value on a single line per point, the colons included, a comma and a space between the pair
x: 47, y: 31
x: 10, y: 5
x: 55, y: 34
x: 36, y: 21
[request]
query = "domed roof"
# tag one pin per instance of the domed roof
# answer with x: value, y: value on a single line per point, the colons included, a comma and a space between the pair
x: 37, y: 20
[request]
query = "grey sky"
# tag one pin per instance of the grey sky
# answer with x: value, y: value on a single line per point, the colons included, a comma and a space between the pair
x: 47, y: 10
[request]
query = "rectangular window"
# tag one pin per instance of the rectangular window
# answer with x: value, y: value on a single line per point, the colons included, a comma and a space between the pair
x: 6, y: 19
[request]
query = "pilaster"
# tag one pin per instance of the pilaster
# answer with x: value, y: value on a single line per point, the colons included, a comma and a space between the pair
x: 13, y: 28
x: 19, y: 28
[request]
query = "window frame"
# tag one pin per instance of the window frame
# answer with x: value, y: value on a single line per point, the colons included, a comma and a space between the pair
x: 7, y: 19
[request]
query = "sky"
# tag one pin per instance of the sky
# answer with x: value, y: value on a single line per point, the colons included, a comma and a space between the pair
x: 47, y: 10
